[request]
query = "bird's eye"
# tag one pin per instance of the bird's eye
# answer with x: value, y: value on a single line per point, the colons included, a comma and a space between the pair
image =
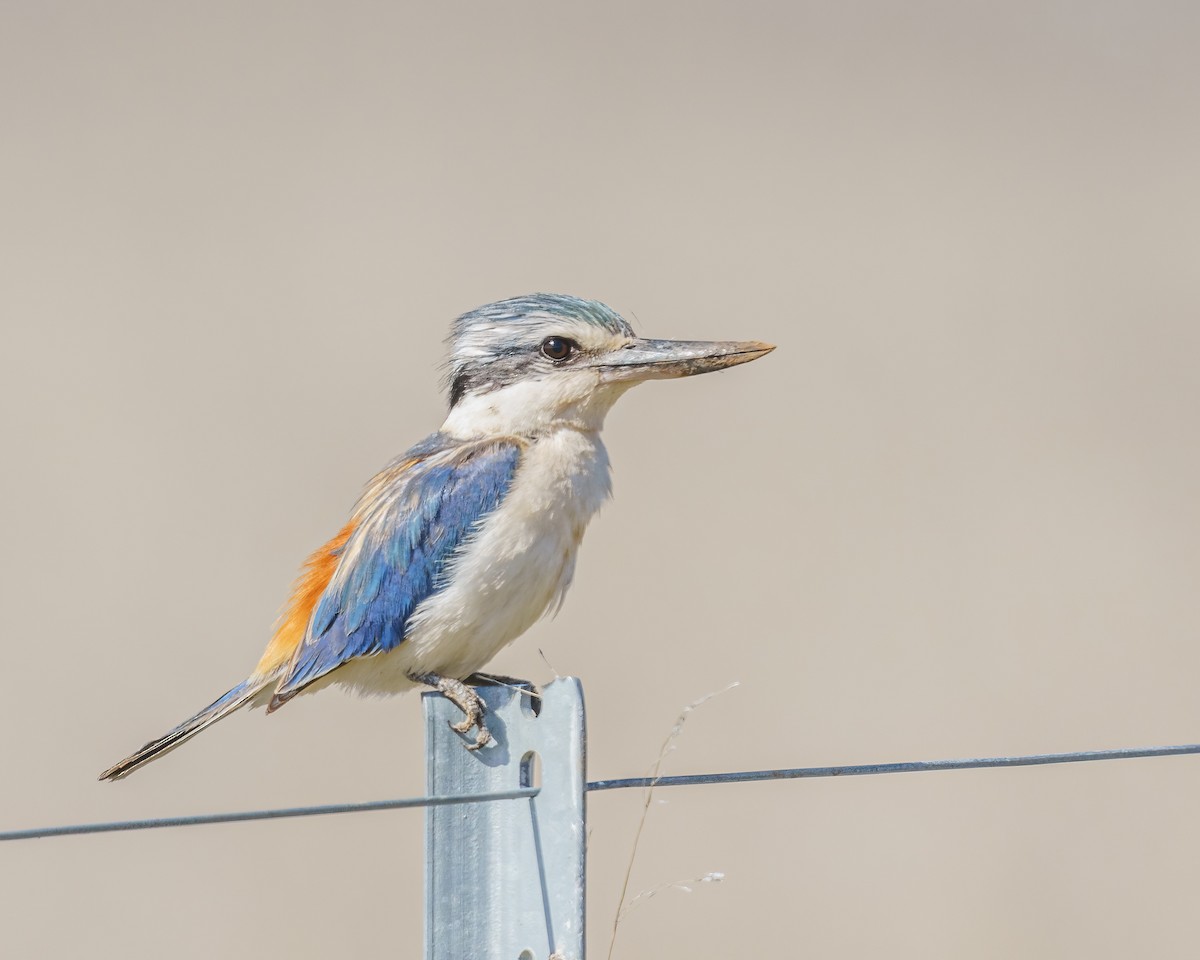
x: 557, y: 349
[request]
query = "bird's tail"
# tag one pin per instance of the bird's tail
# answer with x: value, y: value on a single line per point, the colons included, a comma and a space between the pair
x: 238, y: 697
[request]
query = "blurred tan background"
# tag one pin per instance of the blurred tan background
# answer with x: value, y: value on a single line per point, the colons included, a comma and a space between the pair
x: 954, y: 514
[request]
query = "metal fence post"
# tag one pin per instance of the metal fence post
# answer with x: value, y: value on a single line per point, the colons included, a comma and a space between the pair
x: 504, y: 879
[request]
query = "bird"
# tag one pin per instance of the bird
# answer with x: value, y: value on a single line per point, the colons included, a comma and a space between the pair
x: 465, y: 540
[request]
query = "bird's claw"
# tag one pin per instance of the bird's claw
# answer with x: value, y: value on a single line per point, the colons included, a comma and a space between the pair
x: 482, y: 734
x: 467, y: 700
x: 463, y: 725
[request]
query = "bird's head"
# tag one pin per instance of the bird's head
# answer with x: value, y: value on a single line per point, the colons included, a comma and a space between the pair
x: 530, y: 363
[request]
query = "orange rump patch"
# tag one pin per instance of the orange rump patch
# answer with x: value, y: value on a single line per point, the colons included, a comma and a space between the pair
x: 293, y: 622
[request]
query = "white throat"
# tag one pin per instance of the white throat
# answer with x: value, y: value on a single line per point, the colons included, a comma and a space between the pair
x: 575, y: 401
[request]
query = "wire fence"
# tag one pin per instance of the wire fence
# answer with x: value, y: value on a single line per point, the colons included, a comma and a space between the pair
x: 698, y: 779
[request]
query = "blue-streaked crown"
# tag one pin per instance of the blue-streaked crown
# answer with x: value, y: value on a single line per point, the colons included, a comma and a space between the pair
x: 496, y: 343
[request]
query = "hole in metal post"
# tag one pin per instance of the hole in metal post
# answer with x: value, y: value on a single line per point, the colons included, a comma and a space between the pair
x: 531, y: 770
x: 526, y: 955
x: 531, y: 701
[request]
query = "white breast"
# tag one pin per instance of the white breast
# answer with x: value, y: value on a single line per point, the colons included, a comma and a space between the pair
x: 511, y: 572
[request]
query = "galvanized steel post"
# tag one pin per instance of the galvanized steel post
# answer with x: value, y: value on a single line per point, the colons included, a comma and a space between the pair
x: 504, y: 879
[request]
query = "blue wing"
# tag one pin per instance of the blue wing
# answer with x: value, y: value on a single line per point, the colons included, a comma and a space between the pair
x: 410, y: 524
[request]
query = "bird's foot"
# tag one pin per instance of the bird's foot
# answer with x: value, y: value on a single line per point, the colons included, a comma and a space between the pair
x: 466, y: 699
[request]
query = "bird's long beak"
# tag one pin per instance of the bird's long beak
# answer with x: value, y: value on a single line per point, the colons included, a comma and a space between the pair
x: 663, y: 359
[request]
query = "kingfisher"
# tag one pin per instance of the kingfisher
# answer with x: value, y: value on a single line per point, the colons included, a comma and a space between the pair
x: 460, y: 544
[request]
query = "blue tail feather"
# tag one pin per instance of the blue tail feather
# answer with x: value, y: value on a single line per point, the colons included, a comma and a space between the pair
x: 238, y: 697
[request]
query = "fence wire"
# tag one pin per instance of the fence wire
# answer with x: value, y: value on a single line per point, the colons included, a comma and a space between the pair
x: 697, y: 779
